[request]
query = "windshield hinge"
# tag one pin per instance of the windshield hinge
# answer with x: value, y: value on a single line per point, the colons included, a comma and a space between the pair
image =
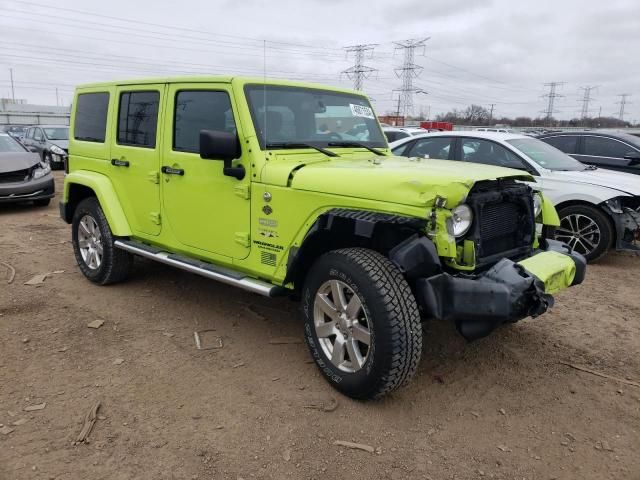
x: 243, y: 238
x: 154, y: 176
x: 242, y: 191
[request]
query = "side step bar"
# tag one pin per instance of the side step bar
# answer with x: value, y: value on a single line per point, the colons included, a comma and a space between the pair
x: 221, y: 274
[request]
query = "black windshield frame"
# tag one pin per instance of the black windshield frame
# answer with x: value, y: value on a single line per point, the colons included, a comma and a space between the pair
x: 257, y: 88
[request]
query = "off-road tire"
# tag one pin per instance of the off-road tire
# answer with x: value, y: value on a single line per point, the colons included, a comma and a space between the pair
x: 116, y: 263
x: 396, y: 336
x: 607, y: 234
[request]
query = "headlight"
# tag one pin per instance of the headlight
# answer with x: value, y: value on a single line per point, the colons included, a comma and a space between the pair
x: 42, y: 171
x: 57, y: 150
x: 537, y: 205
x: 461, y: 218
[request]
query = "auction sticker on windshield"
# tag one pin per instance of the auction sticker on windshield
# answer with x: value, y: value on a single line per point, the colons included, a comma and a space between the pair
x: 361, y: 111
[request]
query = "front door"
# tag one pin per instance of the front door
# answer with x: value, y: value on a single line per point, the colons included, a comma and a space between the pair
x: 135, y: 154
x: 205, y: 209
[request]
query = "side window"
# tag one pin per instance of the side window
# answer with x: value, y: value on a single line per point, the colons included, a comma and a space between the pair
x: 436, y: 147
x: 138, y: 119
x: 200, y: 110
x: 37, y: 134
x: 90, y: 123
x: 605, y: 147
x: 402, y: 149
x: 564, y: 143
x: 29, y: 133
x: 489, y: 153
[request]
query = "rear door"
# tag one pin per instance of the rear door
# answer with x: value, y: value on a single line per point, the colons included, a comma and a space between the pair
x: 135, y: 154
x: 607, y: 153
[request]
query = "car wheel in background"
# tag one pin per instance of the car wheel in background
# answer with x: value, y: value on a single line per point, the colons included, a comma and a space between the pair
x: 93, y: 245
x: 585, y: 229
x: 362, y: 323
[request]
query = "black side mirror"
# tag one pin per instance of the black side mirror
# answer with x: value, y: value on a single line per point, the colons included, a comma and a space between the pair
x: 225, y: 146
x: 634, y: 157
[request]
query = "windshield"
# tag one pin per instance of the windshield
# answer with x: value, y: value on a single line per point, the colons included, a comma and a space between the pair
x: 58, y: 133
x: 545, y: 155
x: 296, y: 115
x: 9, y: 144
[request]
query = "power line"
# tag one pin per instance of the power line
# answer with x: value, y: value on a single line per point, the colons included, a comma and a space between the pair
x: 359, y: 71
x: 552, y: 95
x: 407, y: 72
x: 623, y: 102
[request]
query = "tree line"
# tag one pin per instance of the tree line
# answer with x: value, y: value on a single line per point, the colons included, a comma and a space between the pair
x: 478, y: 115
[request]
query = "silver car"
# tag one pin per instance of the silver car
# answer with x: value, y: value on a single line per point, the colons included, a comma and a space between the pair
x: 51, y: 142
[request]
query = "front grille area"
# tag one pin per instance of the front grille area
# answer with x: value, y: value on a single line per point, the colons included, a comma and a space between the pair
x: 504, y: 223
x: 15, y: 176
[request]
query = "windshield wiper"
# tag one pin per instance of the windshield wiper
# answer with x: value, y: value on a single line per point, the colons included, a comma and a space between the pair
x: 357, y: 144
x: 301, y: 145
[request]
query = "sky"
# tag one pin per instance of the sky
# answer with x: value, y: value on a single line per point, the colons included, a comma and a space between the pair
x: 487, y: 52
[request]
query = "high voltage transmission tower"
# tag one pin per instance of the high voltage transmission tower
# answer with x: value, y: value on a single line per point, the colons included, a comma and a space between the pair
x: 586, y: 99
x: 623, y: 102
x: 359, y: 71
x: 552, y: 95
x: 407, y: 72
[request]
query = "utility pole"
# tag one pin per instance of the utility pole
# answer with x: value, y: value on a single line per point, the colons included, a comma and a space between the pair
x: 57, y: 100
x: 13, y: 92
x: 408, y: 71
x: 492, y: 105
x: 586, y: 99
x: 552, y: 95
x: 359, y: 71
x: 398, y: 113
x: 623, y: 102
x: 600, y: 112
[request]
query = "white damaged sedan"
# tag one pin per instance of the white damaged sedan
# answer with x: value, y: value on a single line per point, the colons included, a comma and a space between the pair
x: 599, y: 209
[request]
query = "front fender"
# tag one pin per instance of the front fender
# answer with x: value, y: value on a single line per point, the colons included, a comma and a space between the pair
x: 549, y: 214
x: 106, y: 194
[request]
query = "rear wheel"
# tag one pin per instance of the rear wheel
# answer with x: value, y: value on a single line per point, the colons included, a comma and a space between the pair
x: 362, y: 324
x: 93, y: 245
x: 586, y: 229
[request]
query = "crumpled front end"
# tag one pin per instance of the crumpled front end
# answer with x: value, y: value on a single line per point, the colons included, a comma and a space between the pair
x: 507, y: 292
x: 625, y: 212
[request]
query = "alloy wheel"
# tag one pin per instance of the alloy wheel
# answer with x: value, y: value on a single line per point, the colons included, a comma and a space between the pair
x: 580, y: 232
x: 342, y: 326
x: 90, y: 242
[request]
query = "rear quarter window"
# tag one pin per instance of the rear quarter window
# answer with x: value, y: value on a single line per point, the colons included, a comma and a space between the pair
x: 90, y: 123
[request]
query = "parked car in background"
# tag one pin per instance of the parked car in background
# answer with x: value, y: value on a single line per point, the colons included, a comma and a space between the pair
x: 51, y: 142
x: 613, y: 151
x: 599, y: 209
x: 23, y: 176
x: 396, y: 133
x: 494, y: 129
x: 16, y: 131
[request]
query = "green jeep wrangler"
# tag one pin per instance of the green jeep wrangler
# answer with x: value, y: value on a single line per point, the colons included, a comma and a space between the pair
x: 289, y: 188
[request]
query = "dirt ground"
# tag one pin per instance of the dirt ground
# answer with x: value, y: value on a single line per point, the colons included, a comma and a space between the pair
x: 504, y: 407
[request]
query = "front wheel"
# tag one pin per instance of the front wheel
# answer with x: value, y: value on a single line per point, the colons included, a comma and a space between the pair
x: 586, y: 229
x: 93, y: 244
x: 362, y: 323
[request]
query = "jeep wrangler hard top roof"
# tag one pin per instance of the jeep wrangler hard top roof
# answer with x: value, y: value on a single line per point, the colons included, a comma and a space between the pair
x: 238, y: 80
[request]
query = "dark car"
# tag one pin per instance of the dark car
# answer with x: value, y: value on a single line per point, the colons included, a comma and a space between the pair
x: 23, y: 176
x: 614, y: 151
x: 16, y: 131
x: 51, y: 142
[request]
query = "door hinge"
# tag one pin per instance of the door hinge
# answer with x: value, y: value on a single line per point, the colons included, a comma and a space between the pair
x: 243, y: 238
x: 154, y: 177
x: 155, y: 217
x: 242, y: 191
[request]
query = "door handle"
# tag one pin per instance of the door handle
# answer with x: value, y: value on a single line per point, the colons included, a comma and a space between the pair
x: 119, y: 163
x: 172, y: 171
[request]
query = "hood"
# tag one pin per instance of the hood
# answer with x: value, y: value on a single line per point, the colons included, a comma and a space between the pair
x: 398, y: 180
x: 12, y: 161
x: 623, y: 182
x: 63, y: 144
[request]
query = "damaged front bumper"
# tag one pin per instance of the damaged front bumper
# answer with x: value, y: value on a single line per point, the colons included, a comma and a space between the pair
x: 627, y: 224
x: 507, y: 292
